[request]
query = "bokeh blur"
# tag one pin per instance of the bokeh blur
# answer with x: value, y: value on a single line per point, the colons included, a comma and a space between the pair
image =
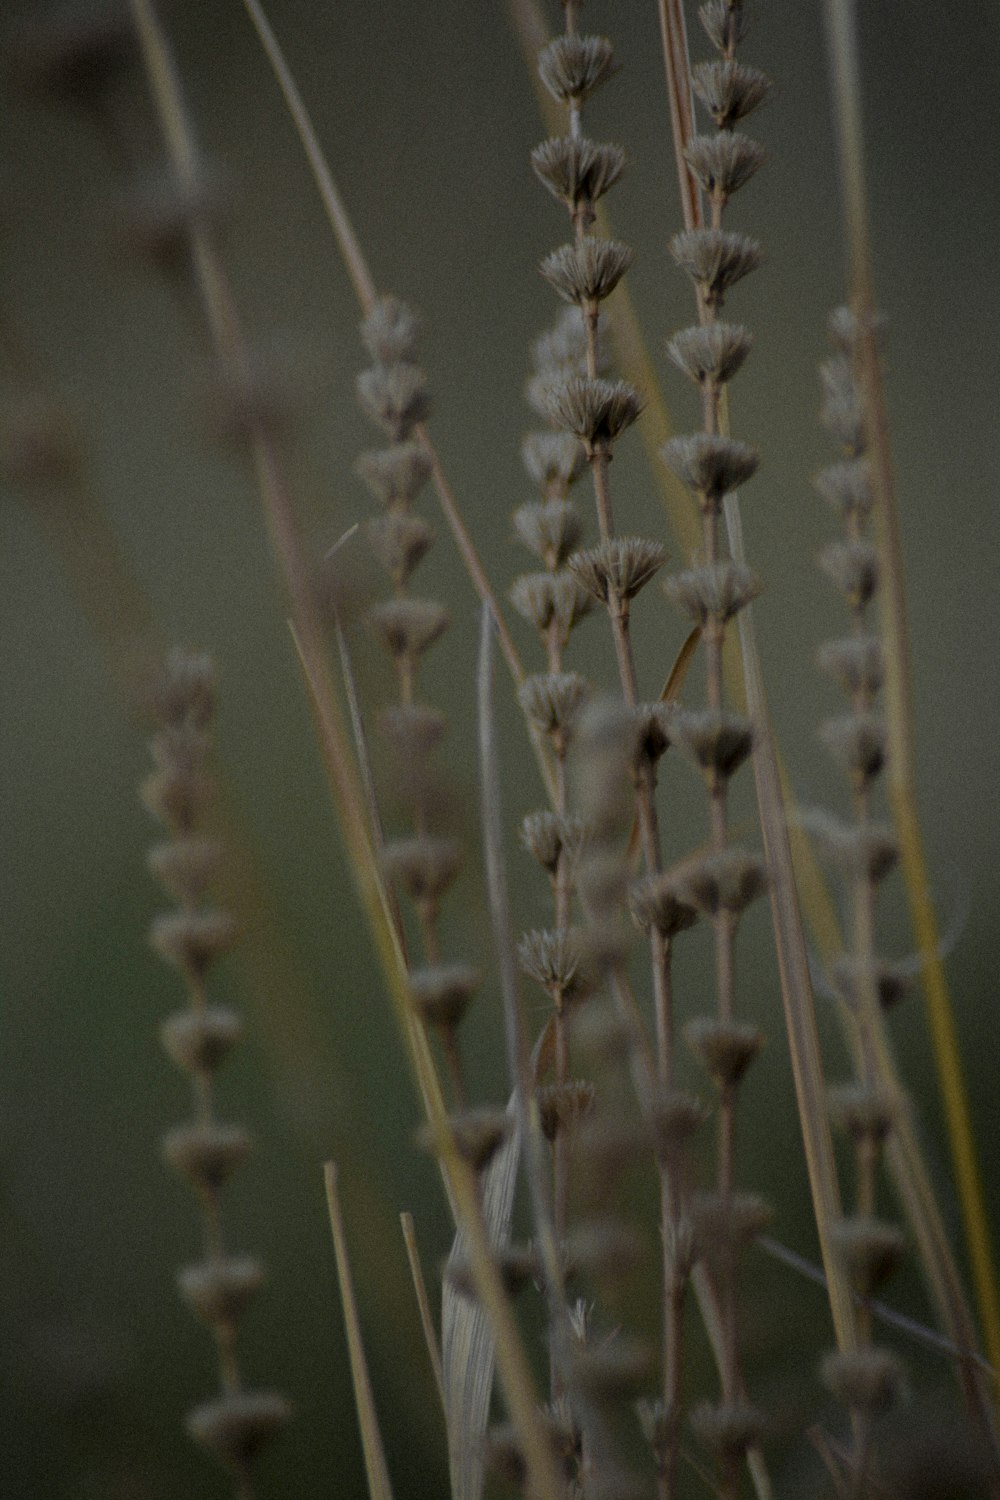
x: 427, y: 113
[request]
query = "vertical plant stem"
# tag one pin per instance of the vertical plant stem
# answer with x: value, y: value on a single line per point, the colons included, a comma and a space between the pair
x: 842, y: 43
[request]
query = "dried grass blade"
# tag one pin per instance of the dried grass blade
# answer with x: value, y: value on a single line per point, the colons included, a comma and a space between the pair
x: 423, y: 1304
x: 379, y: 1487
x: 842, y: 45
x: 467, y: 1339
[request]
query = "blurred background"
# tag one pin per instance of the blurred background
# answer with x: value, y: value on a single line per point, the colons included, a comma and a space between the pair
x: 428, y: 114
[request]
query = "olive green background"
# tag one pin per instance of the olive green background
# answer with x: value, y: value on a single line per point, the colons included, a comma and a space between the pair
x: 427, y: 114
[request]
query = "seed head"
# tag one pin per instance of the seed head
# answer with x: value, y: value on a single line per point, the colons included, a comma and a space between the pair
x: 655, y: 903
x: 396, y: 398
x: 729, y: 90
x: 206, y: 1154
x: 236, y: 1426
x: 552, y: 700
x: 722, y: 163
x: 423, y: 867
x: 616, y: 569
x: 391, y: 332
x: 596, y: 411
x: 710, y: 355
x: 718, y: 741
x: 724, y: 881
x: 199, y: 1041
x: 572, y: 67
x: 408, y: 627
x: 855, y: 662
x: 715, y: 259
x: 725, y: 23
x: 442, y: 992
x: 395, y: 475
x: 868, y: 1379
x: 578, y: 172
x: 710, y: 465
x: 221, y: 1290
x: 846, y: 487
x: 588, y: 272
x: 552, y: 458
x: 725, y: 1047
x: 853, y: 568
x: 713, y: 593
x: 549, y: 528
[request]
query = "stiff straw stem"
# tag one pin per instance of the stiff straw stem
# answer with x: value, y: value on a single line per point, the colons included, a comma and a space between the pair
x: 771, y: 782
x: 460, y: 1182
x: 842, y: 44
x: 379, y: 1486
x: 423, y: 1304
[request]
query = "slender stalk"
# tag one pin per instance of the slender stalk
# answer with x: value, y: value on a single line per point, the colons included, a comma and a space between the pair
x: 842, y: 42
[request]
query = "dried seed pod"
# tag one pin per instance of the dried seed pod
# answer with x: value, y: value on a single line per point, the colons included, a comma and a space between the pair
x: 478, y: 1135
x: 722, y: 163
x: 865, y: 852
x: 391, y: 332
x: 571, y: 604
x: 653, y: 723
x: 615, y: 1369
x: 186, y: 866
x: 853, y: 978
x: 725, y: 1047
x: 533, y: 596
x: 408, y: 627
x: 553, y: 958
x: 396, y: 475
x: 715, y: 259
x: 596, y: 411
x: 847, y: 488
x: 675, y: 1117
x: 396, y: 398
x: 414, y: 729
x: 858, y: 742
x: 200, y: 1040
x: 578, y: 172
x: 236, y: 1426
x: 729, y: 90
x: 710, y: 355
x: 660, y: 1427
x: 840, y: 410
x: 713, y: 593
x: 400, y: 541
x: 517, y: 1265
x: 617, y: 568
x: 710, y: 465
x: 552, y: 700
x: 221, y: 1290
x: 542, y: 835
x: 654, y: 902
x: 185, y: 692
x: 725, y: 1223
x: 550, y: 528
x: 442, y: 992
x: 552, y: 458
x: 192, y: 940
x: 869, y: 1380
x: 853, y: 568
x: 572, y: 67
x: 730, y: 1428
x: 604, y: 766
x: 423, y: 867
x: 725, y: 23
x: 870, y: 1249
x: 587, y: 272
x: 562, y: 349
x: 206, y: 1154
x: 727, y: 880
x: 603, y: 878
x: 561, y: 1106
x: 866, y: 1112
x: 717, y: 740
x: 855, y: 662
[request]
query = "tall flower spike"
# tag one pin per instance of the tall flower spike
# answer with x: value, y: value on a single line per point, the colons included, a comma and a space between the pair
x: 204, y: 1150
